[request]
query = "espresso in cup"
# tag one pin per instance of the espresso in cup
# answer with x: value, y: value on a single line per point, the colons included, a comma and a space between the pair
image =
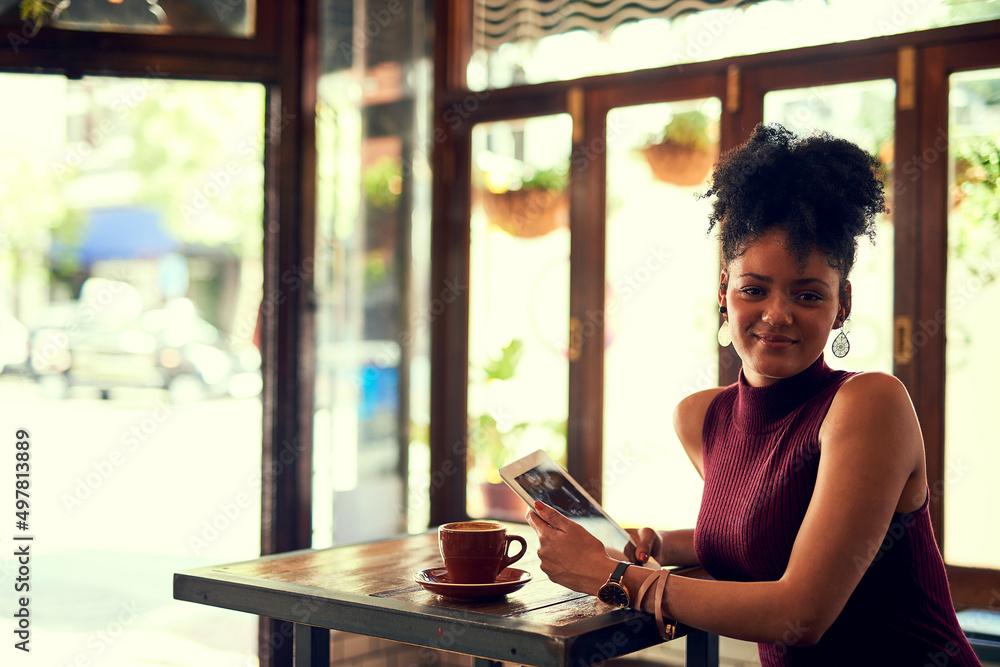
x: 475, y: 552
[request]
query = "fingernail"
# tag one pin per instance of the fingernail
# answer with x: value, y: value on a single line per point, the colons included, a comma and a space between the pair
x: 642, y: 555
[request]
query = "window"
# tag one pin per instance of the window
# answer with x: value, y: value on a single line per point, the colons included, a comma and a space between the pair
x: 519, y: 345
x: 128, y: 354
x: 514, y: 45
x: 226, y: 18
x: 661, y: 313
x: 971, y: 307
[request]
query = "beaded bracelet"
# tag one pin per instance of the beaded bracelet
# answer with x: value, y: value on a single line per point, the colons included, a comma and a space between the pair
x: 666, y: 630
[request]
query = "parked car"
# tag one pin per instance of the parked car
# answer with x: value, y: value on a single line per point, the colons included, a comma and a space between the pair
x: 14, y: 344
x: 170, y: 348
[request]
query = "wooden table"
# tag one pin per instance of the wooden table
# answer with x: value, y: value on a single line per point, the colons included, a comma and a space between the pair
x: 369, y: 589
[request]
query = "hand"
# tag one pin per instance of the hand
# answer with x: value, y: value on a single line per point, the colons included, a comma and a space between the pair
x: 569, y: 555
x: 647, y: 543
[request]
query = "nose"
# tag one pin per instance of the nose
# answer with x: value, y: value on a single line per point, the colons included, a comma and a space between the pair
x: 777, y: 313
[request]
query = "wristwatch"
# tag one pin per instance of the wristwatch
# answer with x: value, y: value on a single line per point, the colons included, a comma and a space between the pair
x: 613, y: 591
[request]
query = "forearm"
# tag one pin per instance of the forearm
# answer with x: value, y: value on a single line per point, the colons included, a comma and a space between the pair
x: 750, y: 611
x: 677, y: 547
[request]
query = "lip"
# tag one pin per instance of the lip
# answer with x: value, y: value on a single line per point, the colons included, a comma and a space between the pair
x: 773, y: 341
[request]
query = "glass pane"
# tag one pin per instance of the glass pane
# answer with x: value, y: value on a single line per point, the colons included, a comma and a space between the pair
x: 661, y: 315
x: 221, y: 18
x: 130, y: 295
x: 554, y: 40
x: 519, y: 302
x: 864, y: 113
x: 371, y: 278
x: 973, y: 315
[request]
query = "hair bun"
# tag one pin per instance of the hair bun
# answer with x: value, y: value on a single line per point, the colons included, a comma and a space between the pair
x: 823, y: 191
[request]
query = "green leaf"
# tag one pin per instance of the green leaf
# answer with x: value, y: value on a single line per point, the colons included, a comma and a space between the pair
x: 35, y: 10
x: 505, y: 367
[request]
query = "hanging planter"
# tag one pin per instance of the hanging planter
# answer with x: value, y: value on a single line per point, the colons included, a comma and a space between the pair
x: 538, y: 207
x: 680, y: 165
x: 683, y: 154
x: 528, y: 212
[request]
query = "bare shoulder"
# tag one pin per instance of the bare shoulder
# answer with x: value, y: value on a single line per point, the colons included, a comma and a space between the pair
x: 875, y: 391
x: 872, y: 400
x: 689, y: 420
x: 689, y: 415
x: 873, y: 405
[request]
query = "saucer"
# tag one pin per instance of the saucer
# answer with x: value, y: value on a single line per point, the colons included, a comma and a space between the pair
x: 436, y: 580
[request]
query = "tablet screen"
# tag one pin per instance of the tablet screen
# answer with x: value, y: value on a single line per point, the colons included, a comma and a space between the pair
x: 547, y: 483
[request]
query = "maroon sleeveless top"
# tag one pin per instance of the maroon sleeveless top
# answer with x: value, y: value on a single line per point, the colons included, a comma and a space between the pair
x: 761, y: 454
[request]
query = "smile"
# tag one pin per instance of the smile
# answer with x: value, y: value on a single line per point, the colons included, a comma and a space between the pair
x: 773, y: 341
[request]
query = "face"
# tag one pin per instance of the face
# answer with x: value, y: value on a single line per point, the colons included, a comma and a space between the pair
x: 780, y: 313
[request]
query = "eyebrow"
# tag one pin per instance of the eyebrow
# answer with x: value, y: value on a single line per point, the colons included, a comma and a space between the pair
x: 769, y: 280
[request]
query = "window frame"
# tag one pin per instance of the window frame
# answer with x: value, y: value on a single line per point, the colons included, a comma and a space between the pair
x: 919, y: 278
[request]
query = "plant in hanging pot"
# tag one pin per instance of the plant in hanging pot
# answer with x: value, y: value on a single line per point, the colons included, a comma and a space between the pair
x: 533, y: 207
x: 684, y: 151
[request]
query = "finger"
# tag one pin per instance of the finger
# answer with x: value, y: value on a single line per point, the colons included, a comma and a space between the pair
x: 533, y: 520
x: 644, y: 543
x: 550, y: 515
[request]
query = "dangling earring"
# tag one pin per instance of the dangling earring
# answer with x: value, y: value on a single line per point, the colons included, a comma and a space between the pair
x: 841, y: 346
x: 725, y: 340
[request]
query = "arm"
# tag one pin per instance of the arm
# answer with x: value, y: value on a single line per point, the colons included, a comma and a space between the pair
x: 669, y: 547
x: 871, y: 464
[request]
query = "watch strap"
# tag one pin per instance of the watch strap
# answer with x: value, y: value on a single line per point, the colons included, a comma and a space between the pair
x: 619, y: 572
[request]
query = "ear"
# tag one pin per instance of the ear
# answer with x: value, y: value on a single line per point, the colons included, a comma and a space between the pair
x: 845, y: 305
x: 723, y: 286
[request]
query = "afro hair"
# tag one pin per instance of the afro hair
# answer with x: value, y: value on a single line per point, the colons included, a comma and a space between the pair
x: 823, y: 192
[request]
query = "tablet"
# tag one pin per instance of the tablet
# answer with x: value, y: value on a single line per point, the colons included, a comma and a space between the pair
x: 538, y: 477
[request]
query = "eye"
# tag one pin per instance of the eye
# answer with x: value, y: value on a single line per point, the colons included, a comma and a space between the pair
x: 810, y: 296
x: 751, y: 291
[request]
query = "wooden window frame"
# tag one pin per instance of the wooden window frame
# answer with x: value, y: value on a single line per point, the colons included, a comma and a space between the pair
x: 919, y: 245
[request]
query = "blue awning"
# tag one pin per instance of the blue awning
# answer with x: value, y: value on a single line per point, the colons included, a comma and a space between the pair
x: 125, y: 232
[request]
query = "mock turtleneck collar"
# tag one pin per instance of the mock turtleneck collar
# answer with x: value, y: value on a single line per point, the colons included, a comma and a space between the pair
x: 760, y: 409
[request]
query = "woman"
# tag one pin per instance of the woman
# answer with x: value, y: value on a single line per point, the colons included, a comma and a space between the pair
x: 814, y: 521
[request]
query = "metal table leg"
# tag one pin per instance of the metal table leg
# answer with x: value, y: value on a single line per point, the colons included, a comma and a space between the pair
x: 312, y: 646
x: 702, y: 649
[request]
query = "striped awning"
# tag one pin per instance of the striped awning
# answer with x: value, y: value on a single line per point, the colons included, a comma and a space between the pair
x: 501, y: 21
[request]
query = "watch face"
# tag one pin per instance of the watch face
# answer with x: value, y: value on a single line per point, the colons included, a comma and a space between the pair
x: 613, y: 593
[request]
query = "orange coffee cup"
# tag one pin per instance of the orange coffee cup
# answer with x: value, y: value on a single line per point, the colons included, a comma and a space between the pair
x: 475, y: 552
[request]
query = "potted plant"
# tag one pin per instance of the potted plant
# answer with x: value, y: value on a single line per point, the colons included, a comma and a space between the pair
x: 494, y: 438
x: 684, y: 151
x: 537, y: 205
x: 493, y: 441
x: 382, y: 184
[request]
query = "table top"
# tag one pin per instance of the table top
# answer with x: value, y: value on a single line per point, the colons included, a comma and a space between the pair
x: 369, y: 589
